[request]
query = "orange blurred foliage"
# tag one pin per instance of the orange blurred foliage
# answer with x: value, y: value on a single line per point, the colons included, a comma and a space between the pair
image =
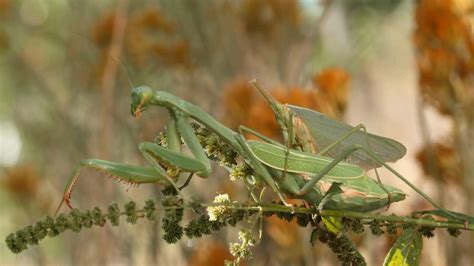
x: 245, y: 107
x: 4, y: 6
x: 149, y: 38
x: 268, y: 16
x: 334, y: 85
x: 101, y: 33
x: 445, y: 55
x: 283, y: 233
x: 22, y: 181
x: 209, y: 254
x: 446, y: 162
x: 445, y: 50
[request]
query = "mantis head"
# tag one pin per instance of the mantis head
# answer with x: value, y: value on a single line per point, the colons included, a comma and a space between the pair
x: 141, y: 97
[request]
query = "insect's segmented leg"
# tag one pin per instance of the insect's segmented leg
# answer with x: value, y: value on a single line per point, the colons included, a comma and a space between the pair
x: 173, y: 136
x: 347, y: 135
x: 425, y: 196
x: 151, y: 151
x: 333, y: 190
x: 290, y: 136
x: 192, y: 142
x: 309, y: 185
x: 186, y: 183
x: 342, y: 138
x: 130, y: 174
x: 178, y: 128
x: 259, y: 168
x: 259, y: 135
x: 350, y: 150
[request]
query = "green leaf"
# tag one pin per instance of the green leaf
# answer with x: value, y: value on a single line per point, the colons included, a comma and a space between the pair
x: 314, y: 237
x: 333, y: 224
x: 407, y: 249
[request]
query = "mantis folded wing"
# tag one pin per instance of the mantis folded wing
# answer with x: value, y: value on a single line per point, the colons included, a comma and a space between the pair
x: 359, y: 192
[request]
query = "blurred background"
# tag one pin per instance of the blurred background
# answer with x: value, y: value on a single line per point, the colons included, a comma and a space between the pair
x: 403, y: 68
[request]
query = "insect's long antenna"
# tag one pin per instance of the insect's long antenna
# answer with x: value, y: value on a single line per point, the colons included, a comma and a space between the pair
x: 122, y: 64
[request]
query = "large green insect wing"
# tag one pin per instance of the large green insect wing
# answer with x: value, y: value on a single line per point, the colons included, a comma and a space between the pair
x: 301, y: 162
x: 325, y: 130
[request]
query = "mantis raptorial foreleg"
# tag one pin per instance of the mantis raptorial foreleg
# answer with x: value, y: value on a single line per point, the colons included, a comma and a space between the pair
x: 157, y: 156
x: 130, y: 174
x: 143, y: 97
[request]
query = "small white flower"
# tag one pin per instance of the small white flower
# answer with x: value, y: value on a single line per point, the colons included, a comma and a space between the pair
x: 242, y: 250
x: 215, y: 212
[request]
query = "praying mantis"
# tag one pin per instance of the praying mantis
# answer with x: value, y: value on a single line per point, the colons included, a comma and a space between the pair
x: 289, y: 172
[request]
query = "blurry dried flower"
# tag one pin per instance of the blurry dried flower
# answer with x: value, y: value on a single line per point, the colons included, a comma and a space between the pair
x: 4, y: 6
x: 103, y: 29
x: 283, y: 233
x: 446, y: 162
x: 445, y: 49
x: 22, y: 181
x: 201, y: 255
x: 150, y: 38
x: 334, y: 84
x: 152, y: 20
x: 245, y: 107
x: 238, y: 97
x: 4, y: 41
x: 266, y: 17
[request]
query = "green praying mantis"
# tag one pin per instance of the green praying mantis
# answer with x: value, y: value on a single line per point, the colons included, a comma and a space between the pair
x: 322, y: 179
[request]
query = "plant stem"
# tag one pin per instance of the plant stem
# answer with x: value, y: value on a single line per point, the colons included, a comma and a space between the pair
x: 339, y: 213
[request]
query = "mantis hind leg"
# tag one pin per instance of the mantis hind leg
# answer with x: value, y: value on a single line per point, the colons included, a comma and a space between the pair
x: 355, y: 148
x: 367, y: 143
x: 130, y: 174
x: 397, y: 174
x: 357, y: 128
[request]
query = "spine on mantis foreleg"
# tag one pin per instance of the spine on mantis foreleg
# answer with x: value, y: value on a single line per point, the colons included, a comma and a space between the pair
x: 129, y: 174
x: 68, y: 190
